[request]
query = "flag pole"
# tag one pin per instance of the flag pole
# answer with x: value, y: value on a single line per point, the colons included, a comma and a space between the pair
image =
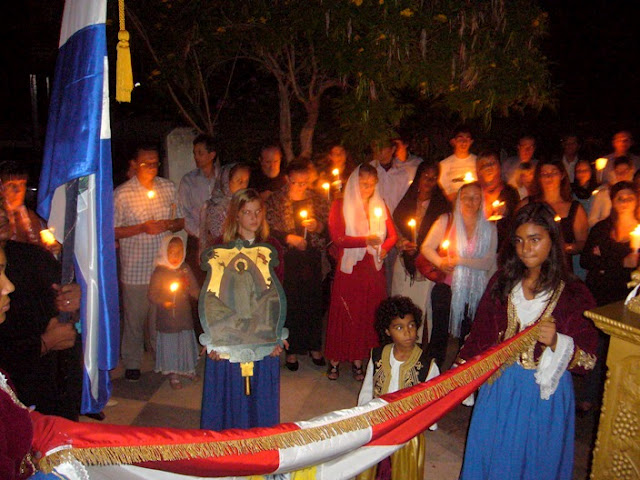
x: 68, y: 244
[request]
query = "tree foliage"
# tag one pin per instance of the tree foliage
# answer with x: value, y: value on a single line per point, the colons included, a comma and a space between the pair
x: 475, y: 57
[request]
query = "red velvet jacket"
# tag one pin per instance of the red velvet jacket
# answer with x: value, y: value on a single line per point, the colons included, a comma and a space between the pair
x: 16, y: 434
x: 491, y: 321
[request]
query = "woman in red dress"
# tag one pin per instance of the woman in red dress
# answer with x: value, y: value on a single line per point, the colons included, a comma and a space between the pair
x: 362, y: 229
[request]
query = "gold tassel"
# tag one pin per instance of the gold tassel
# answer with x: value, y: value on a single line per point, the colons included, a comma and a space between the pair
x: 124, y: 73
x: 145, y: 453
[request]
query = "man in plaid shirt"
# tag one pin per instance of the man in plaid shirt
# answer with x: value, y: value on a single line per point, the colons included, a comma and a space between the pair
x: 146, y: 210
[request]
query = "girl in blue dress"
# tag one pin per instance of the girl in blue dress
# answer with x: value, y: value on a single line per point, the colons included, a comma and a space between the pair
x: 523, y: 423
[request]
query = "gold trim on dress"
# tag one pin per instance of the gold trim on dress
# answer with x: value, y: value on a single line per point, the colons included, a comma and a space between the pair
x: 582, y: 359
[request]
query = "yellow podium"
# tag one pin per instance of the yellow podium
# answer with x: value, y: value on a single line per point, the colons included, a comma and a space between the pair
x: 617, y: 449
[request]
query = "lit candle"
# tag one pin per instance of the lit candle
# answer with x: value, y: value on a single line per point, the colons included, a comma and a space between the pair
x: 444, y: 248
x: 304, y: 214
x: 468, y: 178
x: 496, y: 213
x: 635, y: 239
x: 327, y: 188
x: 337, y: 182
x: 595, y: 192
x: 557, y: 218
x: 174, y: 289
x: 378, y: 213
x: 47, y: 237
x: 412, y: 224
x: 151, y: 194
x: 601, y: 163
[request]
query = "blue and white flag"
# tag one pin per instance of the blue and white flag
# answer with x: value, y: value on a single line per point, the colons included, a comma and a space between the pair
x: 78, y: 144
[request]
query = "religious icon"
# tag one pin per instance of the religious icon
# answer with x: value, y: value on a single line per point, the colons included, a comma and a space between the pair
x: 242, y: 304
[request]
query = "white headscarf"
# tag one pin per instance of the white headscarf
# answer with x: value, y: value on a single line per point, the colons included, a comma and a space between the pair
x: 357, y: 225
x: 162, y: 260
x: 468, y: 284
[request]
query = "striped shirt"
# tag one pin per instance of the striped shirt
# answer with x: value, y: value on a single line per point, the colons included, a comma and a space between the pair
x: 133, y: 206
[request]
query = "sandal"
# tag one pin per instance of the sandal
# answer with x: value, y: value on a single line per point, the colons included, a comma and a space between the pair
x: 175, y: 383
x: 333, y: 372
x: 358, y: 374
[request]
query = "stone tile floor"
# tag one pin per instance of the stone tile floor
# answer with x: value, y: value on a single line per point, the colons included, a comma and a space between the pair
x: 305, y: 394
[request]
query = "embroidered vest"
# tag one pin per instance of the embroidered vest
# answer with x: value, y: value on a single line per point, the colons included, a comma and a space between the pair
x: 413, y: 371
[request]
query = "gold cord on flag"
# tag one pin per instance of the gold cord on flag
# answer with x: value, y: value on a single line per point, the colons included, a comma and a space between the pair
x: 124, y: 73
x: 118, y: 455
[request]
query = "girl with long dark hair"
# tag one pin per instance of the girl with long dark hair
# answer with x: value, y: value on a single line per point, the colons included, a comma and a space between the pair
x: 523, y: 423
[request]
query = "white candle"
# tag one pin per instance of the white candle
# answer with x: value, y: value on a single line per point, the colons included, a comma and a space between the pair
x: 601, y: 163
x: 635, y: 239
x: 412, y: 224
x: 468, y: 178
x: 304, y: 214
x: 327, y: 188
x: 378, y: 213
x: 174, y: 288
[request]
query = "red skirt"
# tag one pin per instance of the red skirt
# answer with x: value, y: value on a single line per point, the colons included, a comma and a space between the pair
x: 354, y: 299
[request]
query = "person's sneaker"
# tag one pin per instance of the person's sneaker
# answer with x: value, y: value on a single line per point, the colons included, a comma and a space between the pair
x: 132, y: 375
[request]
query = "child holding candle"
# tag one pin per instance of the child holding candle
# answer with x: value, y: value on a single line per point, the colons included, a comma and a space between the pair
x: 171, y: 285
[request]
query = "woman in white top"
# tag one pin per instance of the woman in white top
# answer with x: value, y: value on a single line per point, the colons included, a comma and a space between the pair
x: 463, y: 246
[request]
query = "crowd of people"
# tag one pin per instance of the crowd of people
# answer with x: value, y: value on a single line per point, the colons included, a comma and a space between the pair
x: 395, y: 251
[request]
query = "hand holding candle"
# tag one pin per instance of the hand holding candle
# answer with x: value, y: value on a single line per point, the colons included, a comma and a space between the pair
x: 497, y: 209
x: 468, y: 178
x: 151, y: 194
x: 304, y: 214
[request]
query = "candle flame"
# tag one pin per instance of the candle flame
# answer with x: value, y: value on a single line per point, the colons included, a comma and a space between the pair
x: 601, y: 163
x: 445, y: 244
x: 47, y: 237
x: 595, y: 192
x: 468, y: 178
x: 151, y: 194
x: 174, y: 286
x: 412, y: 223
x: 557, y: 218
x: 377, y: 212
x: 326, y: 185
x: 497, y: 203
x: 335, y: 171
x: 636, y: 231
x: 304, y: 213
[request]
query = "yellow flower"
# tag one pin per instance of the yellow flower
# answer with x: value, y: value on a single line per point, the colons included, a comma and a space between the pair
x: 382, y: 36
x: 381, y: 2
x: 360, y: 50
x: 492, y: 65
x: 441, y: 17
x: 155, y: 73
x: 221, y: 30
x: 535, y: 23
x: 357, y: 3
x: 407, y: 12
x: 263, y: 20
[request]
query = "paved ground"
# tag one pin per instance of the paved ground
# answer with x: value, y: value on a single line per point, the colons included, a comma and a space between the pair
x: 306, y: 394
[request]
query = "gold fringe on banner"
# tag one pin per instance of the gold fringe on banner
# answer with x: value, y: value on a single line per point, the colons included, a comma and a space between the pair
x: 124, y: 72
x: 150, y: 453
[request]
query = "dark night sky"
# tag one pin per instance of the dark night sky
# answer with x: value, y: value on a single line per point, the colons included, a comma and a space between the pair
x: 592, y: 45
